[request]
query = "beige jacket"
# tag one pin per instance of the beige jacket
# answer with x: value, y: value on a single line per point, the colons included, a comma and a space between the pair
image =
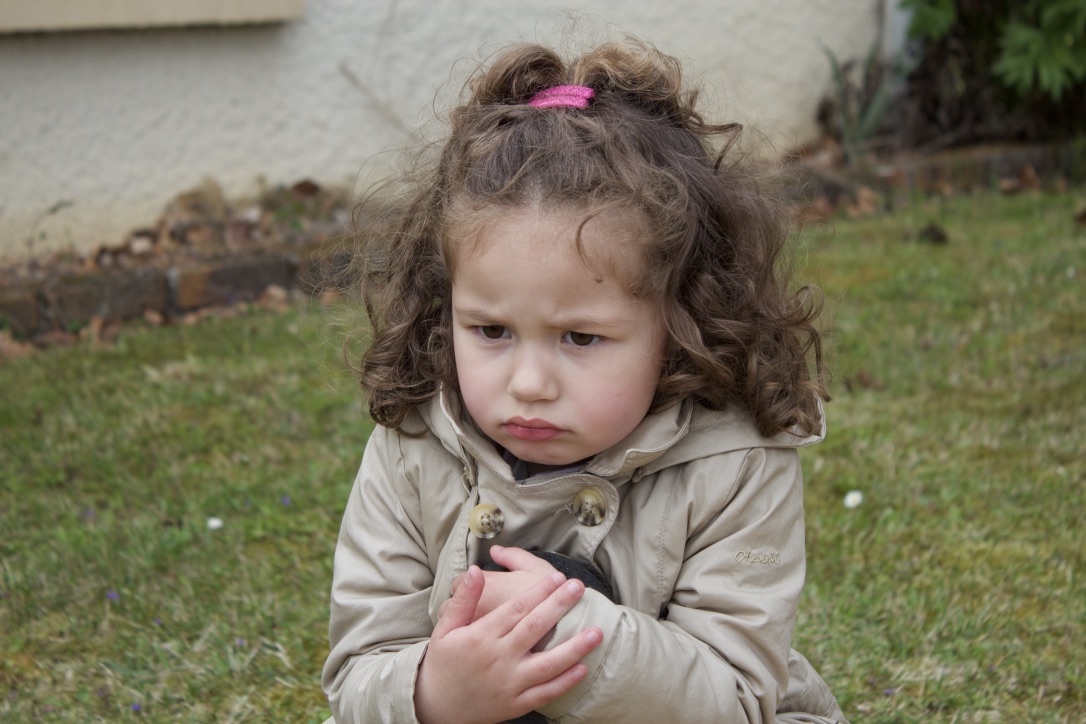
x: 700, y: 533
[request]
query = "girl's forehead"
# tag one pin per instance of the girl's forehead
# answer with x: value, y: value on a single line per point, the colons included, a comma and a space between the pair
x: 609, y: 241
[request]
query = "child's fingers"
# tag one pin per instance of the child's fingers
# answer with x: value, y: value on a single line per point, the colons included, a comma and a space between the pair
x: 460, y: 609
x: 517, y: 559
x: 559, y: 669
x: 549, y: 690
x: 452, y: 593
x: 509, y: 615
x: 537, y: 622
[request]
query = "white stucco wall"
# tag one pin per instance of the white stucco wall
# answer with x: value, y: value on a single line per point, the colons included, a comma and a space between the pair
x: 111, y: 125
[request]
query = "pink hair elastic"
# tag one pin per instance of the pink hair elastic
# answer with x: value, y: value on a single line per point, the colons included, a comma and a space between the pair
x: 562, y: 96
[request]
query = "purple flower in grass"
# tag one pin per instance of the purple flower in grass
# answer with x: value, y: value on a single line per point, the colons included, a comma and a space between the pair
x: 285, y: 500
x: 113, y: 595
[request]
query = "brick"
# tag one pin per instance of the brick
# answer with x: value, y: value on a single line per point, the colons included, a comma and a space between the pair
x: 232, y: 281
x: 73, y: 299
x: 134, y: 293
x: 113, y: 297
x: 189, y: 287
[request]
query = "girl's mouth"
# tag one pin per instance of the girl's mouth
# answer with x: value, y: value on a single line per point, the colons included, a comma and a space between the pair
x: 532, y: 430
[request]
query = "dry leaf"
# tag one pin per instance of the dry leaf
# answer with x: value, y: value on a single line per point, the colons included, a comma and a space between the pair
x: 55, y: 338
x: 305, y: 189
x: 329, y: 297
x: 12, y: 348
x: 819, y: 210
x: 93, y: 331
x: 1027, y: 178
x: 274, y: 297
x: 867, y: 382
x: 867, y: 203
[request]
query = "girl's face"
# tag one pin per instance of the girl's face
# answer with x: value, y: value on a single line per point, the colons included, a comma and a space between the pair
x: 556, y: 360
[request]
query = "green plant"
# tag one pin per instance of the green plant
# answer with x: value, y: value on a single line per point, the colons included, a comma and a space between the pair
x: 861, y: 104
x: 931, y: 19
x: 1048, y: 54
x: 1041, y: 43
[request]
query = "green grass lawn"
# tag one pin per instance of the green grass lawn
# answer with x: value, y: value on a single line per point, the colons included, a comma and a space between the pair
x: 955, y: 592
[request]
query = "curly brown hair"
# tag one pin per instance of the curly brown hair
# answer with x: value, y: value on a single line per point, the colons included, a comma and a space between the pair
x: 712, y: 259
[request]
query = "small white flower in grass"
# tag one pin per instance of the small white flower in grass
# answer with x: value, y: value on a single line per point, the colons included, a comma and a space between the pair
x: 214, y: 523
x: 853, y: 499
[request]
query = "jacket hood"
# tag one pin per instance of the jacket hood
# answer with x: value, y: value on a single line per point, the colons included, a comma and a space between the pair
x: 678, y: 434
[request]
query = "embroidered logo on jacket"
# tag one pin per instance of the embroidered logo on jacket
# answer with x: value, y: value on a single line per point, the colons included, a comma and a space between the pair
x: 754, y: 557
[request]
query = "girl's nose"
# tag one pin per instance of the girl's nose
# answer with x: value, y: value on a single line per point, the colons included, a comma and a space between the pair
x: 531, y: 379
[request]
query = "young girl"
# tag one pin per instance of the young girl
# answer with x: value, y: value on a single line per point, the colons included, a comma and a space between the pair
x: 583, y: 500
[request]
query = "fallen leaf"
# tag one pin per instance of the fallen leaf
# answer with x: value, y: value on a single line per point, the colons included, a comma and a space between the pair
x: 329, y: 297
x: 93, y: 331
x: 867, y: 203
x: 305, y: 189
x: 13, y: 348
x: 55, y: 338
x: 141, y: 245
x: 865, y: 380
x: 819, y: 210
x: 1028, y: 179
x: 274, y: 297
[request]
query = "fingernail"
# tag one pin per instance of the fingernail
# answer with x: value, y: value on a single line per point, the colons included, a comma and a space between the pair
x: 574, y: 586
x: 594, y: 637
x: 557, y: 578
x: 496, y: 548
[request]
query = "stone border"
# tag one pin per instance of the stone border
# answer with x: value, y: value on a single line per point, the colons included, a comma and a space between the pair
x: 68, y: 301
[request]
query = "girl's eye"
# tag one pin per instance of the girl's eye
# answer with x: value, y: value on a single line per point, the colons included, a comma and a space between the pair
x: 492, y: 331
x: 581, y: 339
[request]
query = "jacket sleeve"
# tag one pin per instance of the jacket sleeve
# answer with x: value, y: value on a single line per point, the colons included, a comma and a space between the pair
x: 370, y: 676
x: 719, y: 650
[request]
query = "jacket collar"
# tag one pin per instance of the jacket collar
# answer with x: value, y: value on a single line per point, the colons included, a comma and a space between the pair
x: 678, y: 434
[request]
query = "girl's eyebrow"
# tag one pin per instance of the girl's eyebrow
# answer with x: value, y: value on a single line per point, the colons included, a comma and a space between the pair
x: 477, y: 315
x: 590, y: 322
x: 474, y: 314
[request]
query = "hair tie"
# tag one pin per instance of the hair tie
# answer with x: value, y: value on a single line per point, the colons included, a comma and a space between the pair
x: 562, y: 96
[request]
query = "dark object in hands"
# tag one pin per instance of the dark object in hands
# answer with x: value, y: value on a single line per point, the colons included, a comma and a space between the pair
x: 588, y: 574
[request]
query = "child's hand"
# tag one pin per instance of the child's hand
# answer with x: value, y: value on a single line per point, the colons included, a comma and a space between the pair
x: 484, y: 670
x: 524, y: 570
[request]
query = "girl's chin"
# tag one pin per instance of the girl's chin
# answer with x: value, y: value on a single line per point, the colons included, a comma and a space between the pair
x: 538, y: 463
